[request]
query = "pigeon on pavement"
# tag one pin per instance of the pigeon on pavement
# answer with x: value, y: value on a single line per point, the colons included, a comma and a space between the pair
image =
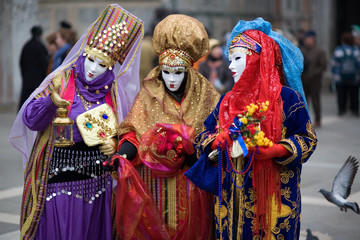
x: 309, y: 235
x: 342, y: 186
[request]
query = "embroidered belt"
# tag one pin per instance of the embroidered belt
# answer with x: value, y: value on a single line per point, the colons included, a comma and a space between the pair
x: 88, y: 189
x: 76, y: 160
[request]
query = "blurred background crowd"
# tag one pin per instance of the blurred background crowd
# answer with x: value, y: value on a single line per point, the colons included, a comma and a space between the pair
x: 40, y: 32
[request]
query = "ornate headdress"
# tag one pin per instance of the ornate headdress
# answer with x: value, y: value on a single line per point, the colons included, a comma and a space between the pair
x: 175, y: 58
x: 244, y: 43
x: 180, y: 40
x: 113, y: 35
x: 292, y: 58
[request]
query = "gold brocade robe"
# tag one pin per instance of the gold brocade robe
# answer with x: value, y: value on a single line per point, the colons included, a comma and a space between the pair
x: 154, y: 105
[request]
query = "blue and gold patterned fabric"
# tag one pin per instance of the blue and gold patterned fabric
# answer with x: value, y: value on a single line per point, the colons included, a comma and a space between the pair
x: 234, y: 214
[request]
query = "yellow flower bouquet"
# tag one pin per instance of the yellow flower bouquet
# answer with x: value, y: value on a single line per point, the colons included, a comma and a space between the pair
x: 246, y: 129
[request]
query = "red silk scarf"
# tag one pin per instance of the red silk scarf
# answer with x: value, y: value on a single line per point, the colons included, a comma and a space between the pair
x: 138, y: 217
x: 260, y: 82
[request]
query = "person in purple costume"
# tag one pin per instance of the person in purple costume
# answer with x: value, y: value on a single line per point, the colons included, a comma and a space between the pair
x: 67, y: 193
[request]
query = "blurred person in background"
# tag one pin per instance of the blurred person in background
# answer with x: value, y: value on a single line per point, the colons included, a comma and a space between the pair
x: 33, y: 64
x: 215, y: 68
x: 314, y: 66
x: 65, y: 24
x: 288, y: 35
x: 52, y: 48
x: 223, y: 46
x: 65, y: 39
x: 300, y: 37
x: 345, y: 67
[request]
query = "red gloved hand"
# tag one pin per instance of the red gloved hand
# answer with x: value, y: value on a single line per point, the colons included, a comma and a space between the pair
x: 180, y: 152
x: 221, y: 138
x: 276, y: 151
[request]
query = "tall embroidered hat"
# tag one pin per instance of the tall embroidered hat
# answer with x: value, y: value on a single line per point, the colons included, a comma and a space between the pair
x: 112, y: 37
x: 180, y: 40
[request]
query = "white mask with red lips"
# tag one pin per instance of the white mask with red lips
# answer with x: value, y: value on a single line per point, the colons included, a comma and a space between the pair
x: 173, y: 77
x: 237, y: 65
x: 93, y: 67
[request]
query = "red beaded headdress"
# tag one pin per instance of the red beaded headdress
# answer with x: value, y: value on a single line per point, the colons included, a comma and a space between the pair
x: 246, y: 43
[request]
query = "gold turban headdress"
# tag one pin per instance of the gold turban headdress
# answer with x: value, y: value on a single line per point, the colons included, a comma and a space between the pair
x: 180, y: 40
x: 113, y: 35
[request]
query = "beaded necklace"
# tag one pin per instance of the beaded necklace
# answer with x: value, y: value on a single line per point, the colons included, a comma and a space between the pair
x: 229, y: 169
x: 84, y: 102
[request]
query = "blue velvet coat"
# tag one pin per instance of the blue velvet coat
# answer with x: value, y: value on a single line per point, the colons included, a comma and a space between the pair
x: 234, y: 215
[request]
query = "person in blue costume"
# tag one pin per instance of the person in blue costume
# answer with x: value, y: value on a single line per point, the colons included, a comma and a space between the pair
x: 257, y: 185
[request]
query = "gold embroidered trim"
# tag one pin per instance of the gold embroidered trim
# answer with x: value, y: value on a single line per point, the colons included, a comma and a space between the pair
x: 240, y: 49
x: 298, y: 105
x: 283, y: 132
x: 311, y: 136
x: 171, y: 186
x: 294, y: 151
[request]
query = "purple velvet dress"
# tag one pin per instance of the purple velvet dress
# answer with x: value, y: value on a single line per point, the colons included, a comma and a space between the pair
x: 78, y: 197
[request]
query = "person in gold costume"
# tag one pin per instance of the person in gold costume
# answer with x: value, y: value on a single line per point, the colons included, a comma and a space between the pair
x: 156, y: 137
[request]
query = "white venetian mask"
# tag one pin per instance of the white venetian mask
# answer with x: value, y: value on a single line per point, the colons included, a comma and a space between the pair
x: 93, y: 67
x: 237, y: 65
x: 173, y: 77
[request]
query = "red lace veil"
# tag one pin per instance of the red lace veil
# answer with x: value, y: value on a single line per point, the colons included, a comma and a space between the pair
x: 260, y: 81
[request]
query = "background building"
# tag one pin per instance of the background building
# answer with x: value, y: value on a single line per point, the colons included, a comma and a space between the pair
x: 327, y: 17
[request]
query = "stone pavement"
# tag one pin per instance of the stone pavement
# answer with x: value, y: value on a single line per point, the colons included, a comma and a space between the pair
x: 338, y: 137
